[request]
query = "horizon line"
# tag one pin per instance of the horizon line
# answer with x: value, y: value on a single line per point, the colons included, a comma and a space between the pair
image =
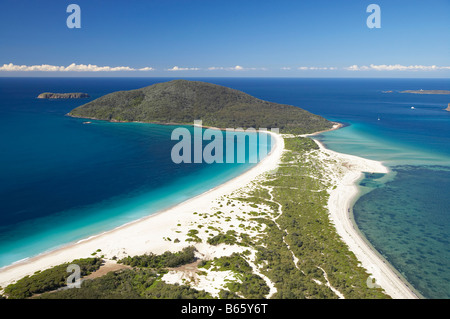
x: 236, y: 77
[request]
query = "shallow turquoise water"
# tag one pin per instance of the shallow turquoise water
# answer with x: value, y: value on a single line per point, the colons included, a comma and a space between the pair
x: 405, y: 215
x: 407, y: 220
x: 61, y: 181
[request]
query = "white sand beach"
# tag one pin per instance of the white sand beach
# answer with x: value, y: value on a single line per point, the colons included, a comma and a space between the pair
x: 149, y: 234
x: 157, y: 233
x: 345, y: 170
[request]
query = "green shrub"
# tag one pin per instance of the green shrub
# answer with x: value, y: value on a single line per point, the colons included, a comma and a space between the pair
x: 229, y: 238
x: 167, y: 259
x: 49, y: 279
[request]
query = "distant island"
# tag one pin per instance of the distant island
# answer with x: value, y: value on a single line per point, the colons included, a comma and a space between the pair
x: 48, y: 95
x: 182, y: 102
x: 427, y: 91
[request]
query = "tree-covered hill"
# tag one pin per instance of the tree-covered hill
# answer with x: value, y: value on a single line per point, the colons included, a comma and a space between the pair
x: 182, y: 102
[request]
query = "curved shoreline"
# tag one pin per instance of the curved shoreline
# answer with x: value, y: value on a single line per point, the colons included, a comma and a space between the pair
x: 340, y: 205
x: 417, y: 294
x: 147, y: 234
x: 144, y: 235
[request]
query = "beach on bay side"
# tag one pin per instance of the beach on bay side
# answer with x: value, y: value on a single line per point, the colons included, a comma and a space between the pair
x: 345, y: 174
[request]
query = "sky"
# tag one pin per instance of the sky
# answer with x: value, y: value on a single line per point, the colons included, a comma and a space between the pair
x: 209, y: 38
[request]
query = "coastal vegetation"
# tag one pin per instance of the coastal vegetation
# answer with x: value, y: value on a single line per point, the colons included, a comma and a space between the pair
x: 287, y: 248
x: 143, y: 281
x: 248, y: 285
x: 182, y: 102
x: 300, y: 251
x: 49, y: 279
x: 139, y: 283
x: 229, y: 238
x: 167, y: 259
x: 192, y: 234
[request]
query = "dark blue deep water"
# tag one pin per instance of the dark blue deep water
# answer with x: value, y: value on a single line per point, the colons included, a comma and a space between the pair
x: 61, y: 181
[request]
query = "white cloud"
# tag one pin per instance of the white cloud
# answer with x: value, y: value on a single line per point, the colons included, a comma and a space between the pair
x: 232, y: 68
x: 70, y: 68
x: 303, y: 68
x: 176, y: 68
x: 353, y: 67
x: 95, y: 68
x: 146, y: 69
x: 235, y: 68
x: 396, y: 67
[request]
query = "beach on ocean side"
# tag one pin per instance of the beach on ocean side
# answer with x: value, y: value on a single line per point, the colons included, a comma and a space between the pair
x: 148, y: 234
x: 156, y: 233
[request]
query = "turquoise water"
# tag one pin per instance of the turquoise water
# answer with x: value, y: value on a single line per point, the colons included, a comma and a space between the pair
x: 407, y: 220
x: 365, y: 140
x: 62, y: 181
x: 406, y: 214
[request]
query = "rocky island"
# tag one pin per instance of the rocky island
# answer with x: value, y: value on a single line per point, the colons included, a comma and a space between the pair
x: 48, y: 95
x: 427, y: 91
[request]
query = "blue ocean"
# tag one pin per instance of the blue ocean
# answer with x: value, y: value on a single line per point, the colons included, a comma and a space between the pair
x: 62, y: 180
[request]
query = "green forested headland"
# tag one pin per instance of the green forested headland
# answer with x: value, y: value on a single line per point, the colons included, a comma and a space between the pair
x: 182, y: 102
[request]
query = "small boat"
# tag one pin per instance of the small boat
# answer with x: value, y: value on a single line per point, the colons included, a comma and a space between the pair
x: 87, y: 122
x: 413, y: 108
